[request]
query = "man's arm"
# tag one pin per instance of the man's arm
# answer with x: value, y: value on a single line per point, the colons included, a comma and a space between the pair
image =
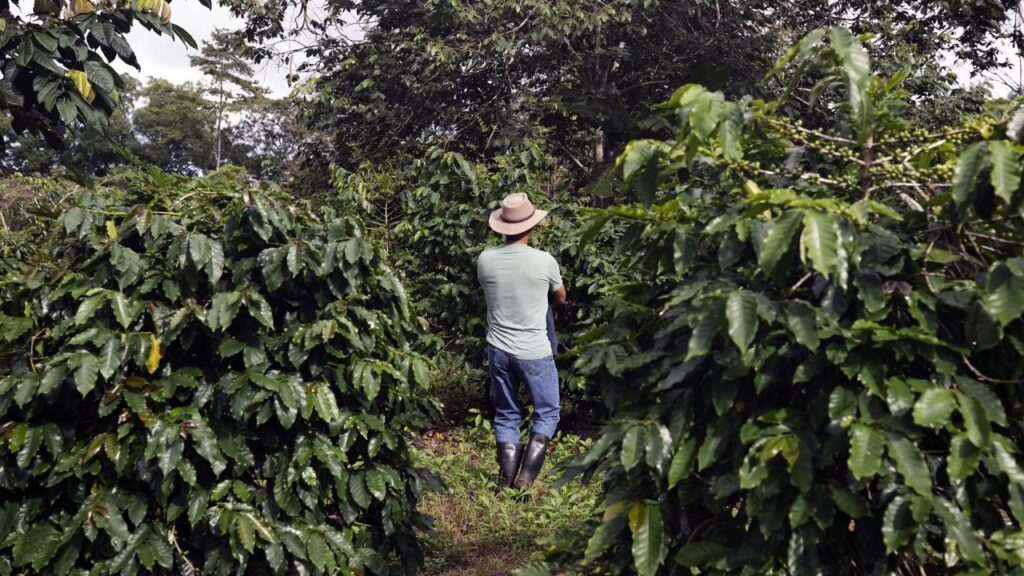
x: 558, y: 296
x: 557, y: 293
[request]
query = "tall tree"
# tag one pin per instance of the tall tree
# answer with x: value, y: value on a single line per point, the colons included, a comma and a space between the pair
x: 487, y: 75
x: 228, y: 81
x: 175, y: 127
x: 266, y: 139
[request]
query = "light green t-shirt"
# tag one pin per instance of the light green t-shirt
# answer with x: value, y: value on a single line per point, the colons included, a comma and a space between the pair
x: 517, y: 280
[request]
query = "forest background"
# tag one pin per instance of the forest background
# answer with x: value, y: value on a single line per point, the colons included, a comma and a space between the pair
x: 412, y: 129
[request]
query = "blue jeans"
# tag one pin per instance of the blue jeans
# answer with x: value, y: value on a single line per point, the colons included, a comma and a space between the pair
x: 540, y: 376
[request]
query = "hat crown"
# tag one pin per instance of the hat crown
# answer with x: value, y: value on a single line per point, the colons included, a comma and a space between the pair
x: 516, y: 208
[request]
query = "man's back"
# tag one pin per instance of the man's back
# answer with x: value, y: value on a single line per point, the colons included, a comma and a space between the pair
x: 516, y: 280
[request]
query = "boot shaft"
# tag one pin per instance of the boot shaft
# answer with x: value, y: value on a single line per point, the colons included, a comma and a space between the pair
x: 533, y: 460
x: 509, y: 457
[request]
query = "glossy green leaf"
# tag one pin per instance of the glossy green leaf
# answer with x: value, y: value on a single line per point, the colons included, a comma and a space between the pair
x: 223, y: 310
x: 1004, y: 299
x: 648, y: 531
x: 850, y: 503
x: 124, y: 311
x: 260, y: 309
x: 317, y: 549
x: 898, y: 524
x: 246, y: 531
x: 682, y: 462
x: 700, y: 553
x: 958, y: 527
x: 963, y: 458
x: 37, y: 546
x: 326, y: 404
x: 857, y: 66
x: 969, y: 166
x: 86, y: 373
x: 741, y: 313
x: 161, y: 549
x: 866, y: 448
x: 200, y: 250
x: 801, y: 319
x: 778, y: 239
x: 934, y: 408
x: 704, y: 333
x: 375, y: 482
x: 911, y: 464
x: 819, y: 243
x: 979, y: 429
x: 731, y: 132
x: 633, y: 446
x: 1007, y: 462
x: 275, y: 556
x: 357, y: 488
x: 88, y: 308
x: 215, y: 267
x: 604, y: 536
x: 986, y: 396
x: 1005, y: 169
x: 110, y: 357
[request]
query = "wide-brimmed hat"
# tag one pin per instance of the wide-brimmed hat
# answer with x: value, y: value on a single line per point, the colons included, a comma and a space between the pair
x: 517, y: 215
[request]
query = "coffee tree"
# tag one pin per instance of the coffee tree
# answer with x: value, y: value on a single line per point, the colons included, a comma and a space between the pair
x: 821, y: 370
x: 207, y: 379
x: 55, y: 60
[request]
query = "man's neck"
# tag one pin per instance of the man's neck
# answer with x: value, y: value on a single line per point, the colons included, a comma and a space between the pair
x: 524, y: 240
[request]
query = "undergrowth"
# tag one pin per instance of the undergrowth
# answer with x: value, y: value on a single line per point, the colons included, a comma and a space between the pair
x: 478, y: 532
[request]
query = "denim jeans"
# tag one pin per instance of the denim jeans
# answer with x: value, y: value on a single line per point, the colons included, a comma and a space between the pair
x: 540, y: 376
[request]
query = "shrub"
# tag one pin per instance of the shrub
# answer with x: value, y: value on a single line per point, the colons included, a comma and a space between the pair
x: 27, y: 205
x: 207, y: 378
x: 820, y: 371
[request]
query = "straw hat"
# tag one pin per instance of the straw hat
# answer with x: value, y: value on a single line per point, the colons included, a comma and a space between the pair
x: 517, y: 215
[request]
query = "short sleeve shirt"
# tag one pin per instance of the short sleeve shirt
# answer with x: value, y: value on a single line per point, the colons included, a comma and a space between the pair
x: 516, y: 280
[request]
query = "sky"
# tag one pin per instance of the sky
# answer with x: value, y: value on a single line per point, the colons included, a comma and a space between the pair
x: 164, y: 57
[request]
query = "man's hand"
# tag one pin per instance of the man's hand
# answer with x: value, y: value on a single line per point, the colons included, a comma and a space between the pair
x: 558, y: 296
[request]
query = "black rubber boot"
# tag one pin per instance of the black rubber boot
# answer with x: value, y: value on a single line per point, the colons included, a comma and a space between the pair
x: 509, y: 457
x: 533, y: 459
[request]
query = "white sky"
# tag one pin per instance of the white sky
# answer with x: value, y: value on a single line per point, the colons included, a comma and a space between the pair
x: 162, y: 57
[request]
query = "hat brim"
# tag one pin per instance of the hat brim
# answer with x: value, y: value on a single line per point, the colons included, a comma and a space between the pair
x: 512, y: 228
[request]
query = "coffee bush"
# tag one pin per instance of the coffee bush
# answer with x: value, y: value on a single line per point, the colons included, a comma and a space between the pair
x: 820, y: 371
x: 207, y: 379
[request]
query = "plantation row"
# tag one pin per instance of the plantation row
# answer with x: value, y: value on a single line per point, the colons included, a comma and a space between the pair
x: 808, y: 343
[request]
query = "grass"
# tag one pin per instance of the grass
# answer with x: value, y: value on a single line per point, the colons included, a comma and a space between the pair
x: 478, y: 532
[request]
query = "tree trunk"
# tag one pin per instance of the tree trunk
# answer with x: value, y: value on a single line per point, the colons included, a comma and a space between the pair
x: 220, y: 120
x: 600, y: 140
x: 603, y: 72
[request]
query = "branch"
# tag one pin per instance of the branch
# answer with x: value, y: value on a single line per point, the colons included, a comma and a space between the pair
x: 980, y: 376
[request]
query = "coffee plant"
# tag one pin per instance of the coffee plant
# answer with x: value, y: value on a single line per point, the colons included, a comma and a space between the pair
x: 820, y: 371
x: 55, y: 57
x: 207, y: 379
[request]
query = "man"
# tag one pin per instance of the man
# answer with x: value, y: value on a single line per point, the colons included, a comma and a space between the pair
x: 517, y: 281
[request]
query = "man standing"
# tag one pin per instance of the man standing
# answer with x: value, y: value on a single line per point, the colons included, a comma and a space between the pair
x: 517, y: 281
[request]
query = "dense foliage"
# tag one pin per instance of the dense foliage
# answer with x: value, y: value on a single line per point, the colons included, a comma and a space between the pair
x: 487, y: 77
x: 55, y: 61
x: 208, y: 379
x: 431, y: 217
x: 820, y: 370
